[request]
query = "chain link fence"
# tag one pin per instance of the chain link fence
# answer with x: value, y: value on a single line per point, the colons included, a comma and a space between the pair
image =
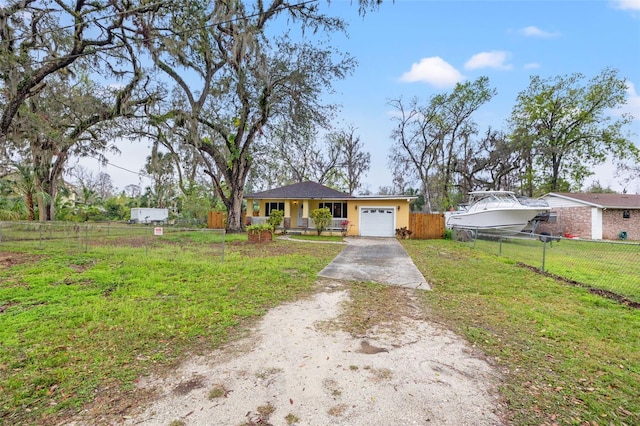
x: 611, y: 267
x: 77, y: 237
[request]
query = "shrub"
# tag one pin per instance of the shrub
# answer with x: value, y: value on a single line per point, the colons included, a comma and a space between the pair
x: 403, y: 232
x: 322, y: 218
x: 344, y: 227
x: 275, y: 218
x: 259, y: 227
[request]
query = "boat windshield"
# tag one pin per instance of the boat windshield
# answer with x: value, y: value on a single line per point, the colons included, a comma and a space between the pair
x: 492, y: 200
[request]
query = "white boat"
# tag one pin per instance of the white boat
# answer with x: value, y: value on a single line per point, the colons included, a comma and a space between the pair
x: 496, y: 212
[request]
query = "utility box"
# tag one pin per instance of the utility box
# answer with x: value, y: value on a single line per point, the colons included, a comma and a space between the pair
x: 149, y: 215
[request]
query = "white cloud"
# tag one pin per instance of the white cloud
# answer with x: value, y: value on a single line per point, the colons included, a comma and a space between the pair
x: 494, y: 59
x: 435, y: 71
x: 531, y: 65
x: 633, y: 103
x: 626, y: 4
x: 533, y: 31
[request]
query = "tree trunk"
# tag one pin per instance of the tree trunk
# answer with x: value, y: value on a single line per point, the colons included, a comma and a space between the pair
x: 46, y: 202
x: 234, y: 210
x: 46, y: 209
x: 31, y: 211
x: 427, y: 196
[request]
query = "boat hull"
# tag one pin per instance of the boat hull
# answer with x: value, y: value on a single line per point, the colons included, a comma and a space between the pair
x: 505, y: 220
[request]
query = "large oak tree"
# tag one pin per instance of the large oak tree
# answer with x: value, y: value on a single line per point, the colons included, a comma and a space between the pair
x: 237, y: 75
x: 564, y: 126
x: 40, y: 38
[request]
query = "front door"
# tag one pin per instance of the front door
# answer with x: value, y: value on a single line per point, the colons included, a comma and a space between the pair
x: 300, y: 210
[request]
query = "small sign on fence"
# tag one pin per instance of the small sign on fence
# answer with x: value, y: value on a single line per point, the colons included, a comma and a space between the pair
x: 157, y: 231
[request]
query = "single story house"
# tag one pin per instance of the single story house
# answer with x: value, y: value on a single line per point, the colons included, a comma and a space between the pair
x: 367, y: 216
x: 593, y: 216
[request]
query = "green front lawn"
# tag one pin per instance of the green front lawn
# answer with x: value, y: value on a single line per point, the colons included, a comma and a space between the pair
x: 73, y: 326
x: 568, y: 357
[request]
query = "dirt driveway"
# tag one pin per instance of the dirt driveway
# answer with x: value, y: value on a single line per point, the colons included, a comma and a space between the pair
x: 298, y: 367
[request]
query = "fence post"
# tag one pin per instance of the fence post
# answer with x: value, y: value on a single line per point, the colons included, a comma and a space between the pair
x: 224, y: 236
x: 544, y: 253
x: 86, y: 237
x: 500, y: 249
x: 40, y: 233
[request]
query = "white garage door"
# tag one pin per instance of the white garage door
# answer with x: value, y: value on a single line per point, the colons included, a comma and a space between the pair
x: 377, y: 222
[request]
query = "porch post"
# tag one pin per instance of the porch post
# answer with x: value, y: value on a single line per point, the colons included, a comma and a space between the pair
x: 286, y: 221
x: 249, y: 213
x: 304, y: 205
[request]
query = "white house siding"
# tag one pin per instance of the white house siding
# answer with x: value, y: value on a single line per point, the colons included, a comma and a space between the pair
x: 596, y: 223
x: 557, y: 202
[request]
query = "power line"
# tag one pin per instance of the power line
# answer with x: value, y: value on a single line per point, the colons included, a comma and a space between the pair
x: 116, y: 166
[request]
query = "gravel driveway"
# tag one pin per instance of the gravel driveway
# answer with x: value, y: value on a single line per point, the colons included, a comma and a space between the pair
x: 293, y: 370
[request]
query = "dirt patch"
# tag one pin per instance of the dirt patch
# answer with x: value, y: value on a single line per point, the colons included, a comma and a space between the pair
x: 8, y: 259
x: 271, y: 249
x: 184, y: 388
x: 300, y: 366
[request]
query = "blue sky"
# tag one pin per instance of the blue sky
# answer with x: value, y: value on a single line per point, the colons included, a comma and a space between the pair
x: 423, y: 47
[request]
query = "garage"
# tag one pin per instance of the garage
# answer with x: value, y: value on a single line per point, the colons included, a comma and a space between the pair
x: 377, y: 222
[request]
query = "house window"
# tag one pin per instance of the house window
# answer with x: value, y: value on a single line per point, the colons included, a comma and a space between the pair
x: 626, y: 214
x: 338, y: 210
x: 272, y: 206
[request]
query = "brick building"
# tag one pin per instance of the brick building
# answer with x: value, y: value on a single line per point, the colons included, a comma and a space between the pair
x: 593, y: 216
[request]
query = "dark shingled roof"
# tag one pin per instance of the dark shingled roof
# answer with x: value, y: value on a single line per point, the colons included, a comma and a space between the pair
x: 610, y: 201
x: 302, y: 190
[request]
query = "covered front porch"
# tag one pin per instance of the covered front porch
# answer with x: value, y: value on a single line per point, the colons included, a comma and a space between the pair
x: 309, y: 225
x: 297, y: 213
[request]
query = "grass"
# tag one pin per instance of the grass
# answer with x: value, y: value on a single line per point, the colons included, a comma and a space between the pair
x: 218, y: 391
x: 84, y: 237
x: 568, y: 357
x: 76, y: 326
x: 291, y: 419
x: 309, y: 237
x: 600, y: 264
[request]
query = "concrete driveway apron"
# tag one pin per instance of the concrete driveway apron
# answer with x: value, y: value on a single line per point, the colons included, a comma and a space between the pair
x: 380, y: 260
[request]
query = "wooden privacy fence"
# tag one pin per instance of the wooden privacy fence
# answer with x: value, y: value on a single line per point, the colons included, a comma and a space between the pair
x: 218, y: 219
x: 426, y: 226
